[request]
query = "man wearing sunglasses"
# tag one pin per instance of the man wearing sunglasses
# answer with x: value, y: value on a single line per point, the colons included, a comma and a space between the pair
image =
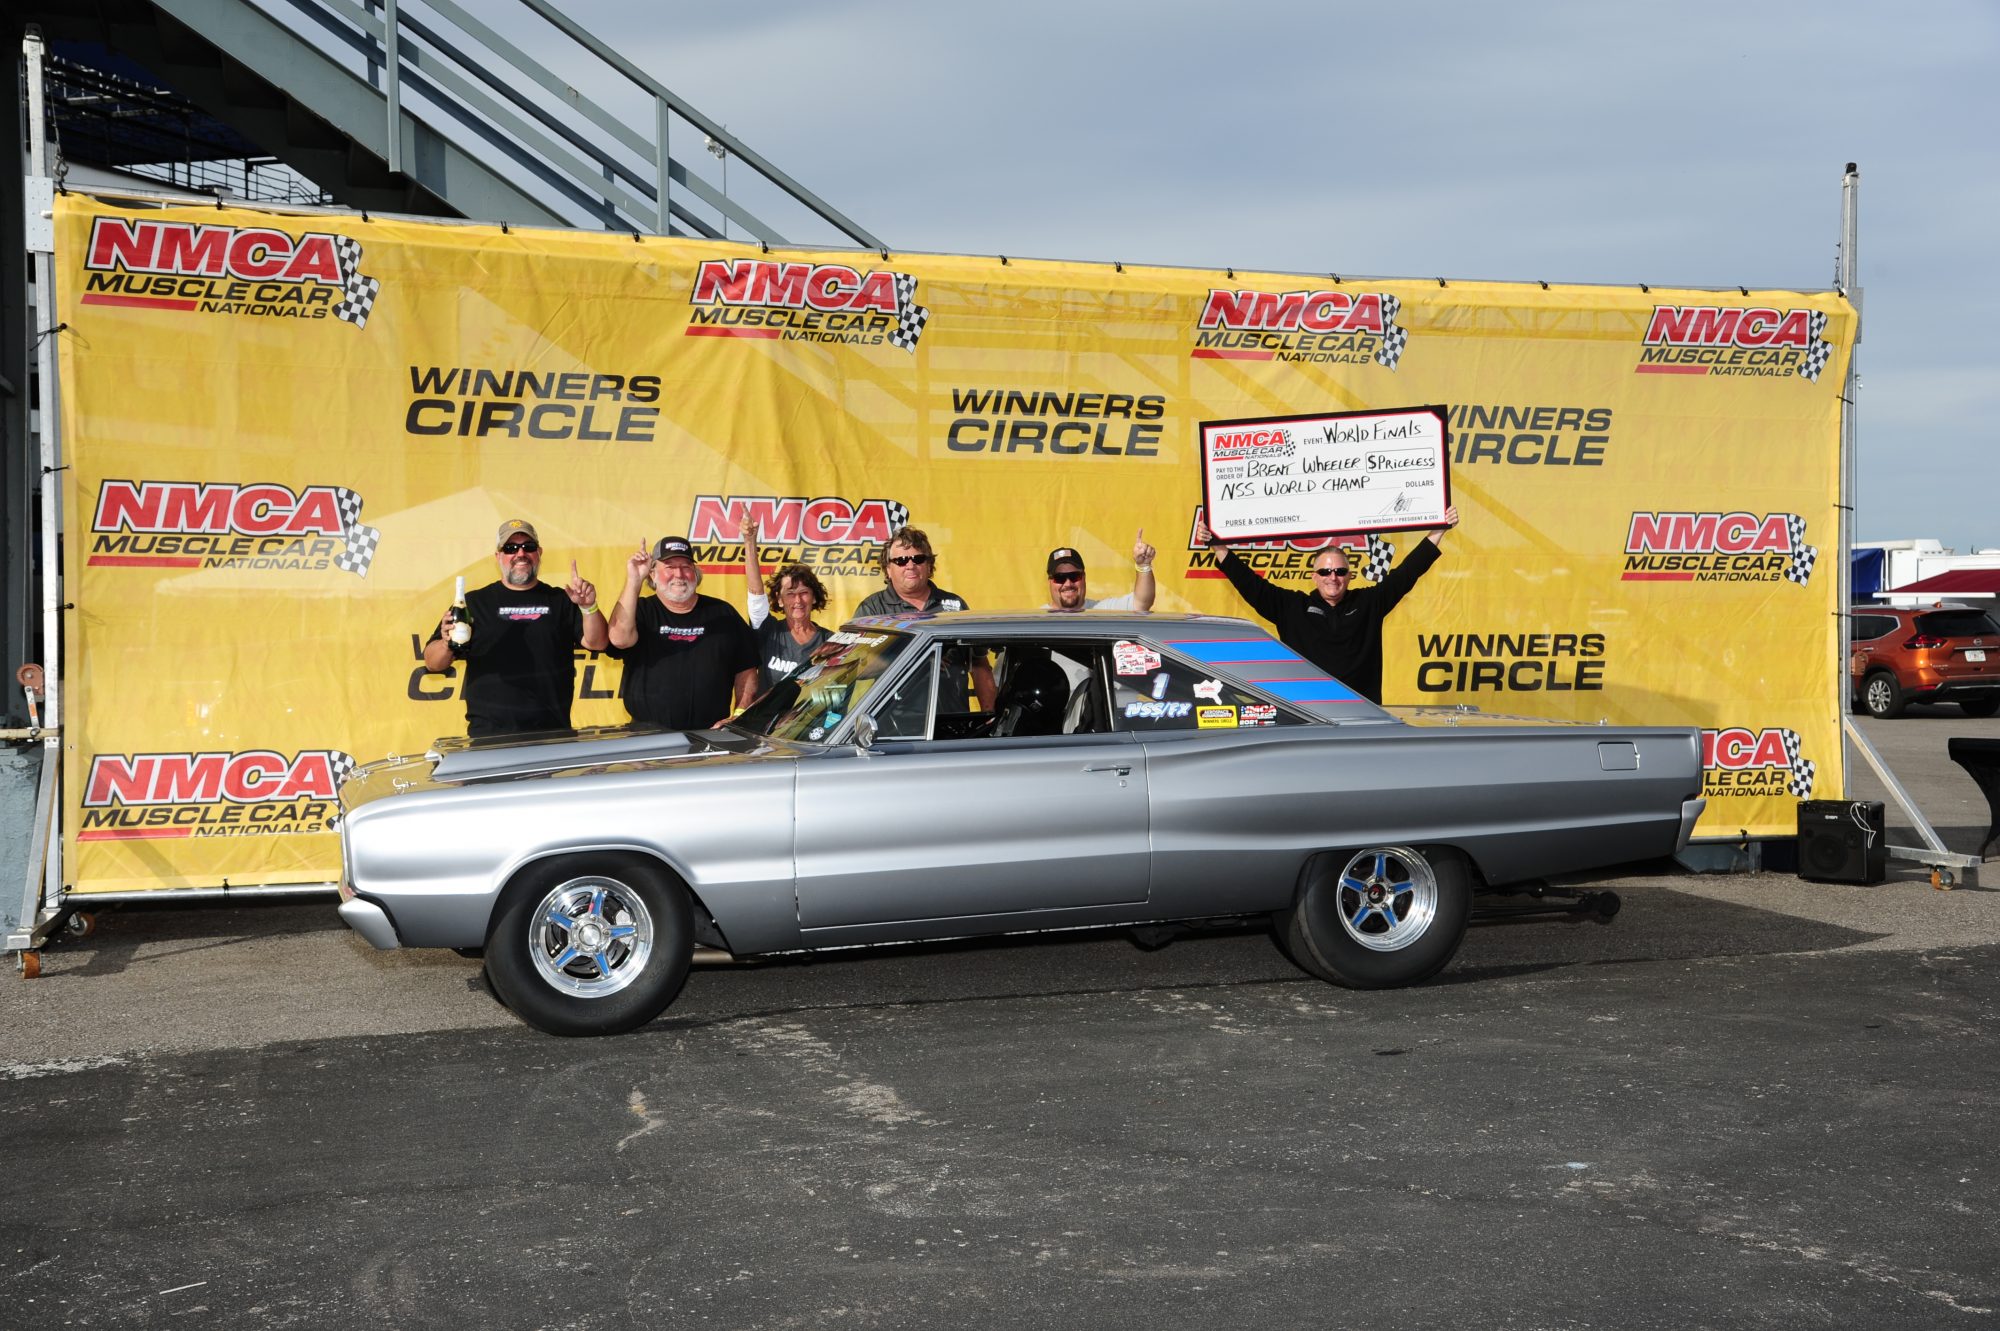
x: 1336, y: 627
x: 907, y: 564
x: 520, y: 667
x: 1069, y: 591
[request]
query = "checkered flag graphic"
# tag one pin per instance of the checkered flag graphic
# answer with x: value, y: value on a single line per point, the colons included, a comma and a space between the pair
x: 1394, y: 339
x: 1817, y: 351
x: 1803, y: 555
x: 361, y: 540
x: 910, y: 316
x: 899, y: 514
x: 1801, y: 782
x: 1381, y: 555
x: 359, y: 290
x: 343, y: 766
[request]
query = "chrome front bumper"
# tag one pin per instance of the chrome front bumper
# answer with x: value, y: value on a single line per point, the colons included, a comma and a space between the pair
x: 370, y: 921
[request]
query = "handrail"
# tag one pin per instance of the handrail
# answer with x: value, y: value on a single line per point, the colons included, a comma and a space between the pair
x: 590, y: 160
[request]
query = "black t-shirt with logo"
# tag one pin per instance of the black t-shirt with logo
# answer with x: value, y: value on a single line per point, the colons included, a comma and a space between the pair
x: 1343, y: 640
x: 681, y: 672
x: 779, y: 653
x: 520, y: 667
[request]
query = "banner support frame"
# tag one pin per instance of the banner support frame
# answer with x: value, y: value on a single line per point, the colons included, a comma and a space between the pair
x: 1846, y: 274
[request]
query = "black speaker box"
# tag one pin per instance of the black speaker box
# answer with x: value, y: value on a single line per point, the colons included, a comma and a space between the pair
x: 1842, y: 841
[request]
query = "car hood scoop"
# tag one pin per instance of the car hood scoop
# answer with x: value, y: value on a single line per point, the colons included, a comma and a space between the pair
x: 468, y: 760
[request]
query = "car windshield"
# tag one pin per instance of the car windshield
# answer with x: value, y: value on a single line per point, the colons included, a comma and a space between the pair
x: 811, y: 701
x: 1956, y: 623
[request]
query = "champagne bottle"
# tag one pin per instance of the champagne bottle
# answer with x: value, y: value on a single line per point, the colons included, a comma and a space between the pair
x: 461, y: 618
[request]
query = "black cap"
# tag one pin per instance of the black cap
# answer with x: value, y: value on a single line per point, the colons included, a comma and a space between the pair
x: 669, y: 546
x: 1064, y: 555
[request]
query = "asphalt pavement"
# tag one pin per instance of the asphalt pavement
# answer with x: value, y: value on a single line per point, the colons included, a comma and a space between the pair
x: 1748, y: 1101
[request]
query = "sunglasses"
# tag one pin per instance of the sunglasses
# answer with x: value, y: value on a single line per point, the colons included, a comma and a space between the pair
x: 1065, y: 578
x: 1329, y: 573
x: 521, y: 547
x: 904, y: 561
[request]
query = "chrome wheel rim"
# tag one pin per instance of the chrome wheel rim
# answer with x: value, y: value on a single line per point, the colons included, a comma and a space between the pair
x: 1388, y: 898
x: 1878, y: 694
x: 590, y: 936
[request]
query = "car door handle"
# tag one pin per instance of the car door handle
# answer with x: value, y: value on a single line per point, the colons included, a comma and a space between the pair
x: 1123, y: 769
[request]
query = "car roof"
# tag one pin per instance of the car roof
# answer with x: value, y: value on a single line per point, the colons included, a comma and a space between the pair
x: 1237, y: 649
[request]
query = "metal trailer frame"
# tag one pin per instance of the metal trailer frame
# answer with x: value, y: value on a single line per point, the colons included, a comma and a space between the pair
x: 41, y: 899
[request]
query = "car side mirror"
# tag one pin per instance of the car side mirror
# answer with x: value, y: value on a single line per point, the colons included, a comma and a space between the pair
x: 864, y: 733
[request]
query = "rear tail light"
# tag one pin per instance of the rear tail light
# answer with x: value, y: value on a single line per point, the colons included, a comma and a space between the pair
x: 1924, y: 641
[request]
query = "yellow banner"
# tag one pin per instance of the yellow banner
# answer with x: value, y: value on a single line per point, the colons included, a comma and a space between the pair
x: 288, y: 435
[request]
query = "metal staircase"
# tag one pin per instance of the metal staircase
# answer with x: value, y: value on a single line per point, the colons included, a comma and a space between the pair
x: 423, y: 106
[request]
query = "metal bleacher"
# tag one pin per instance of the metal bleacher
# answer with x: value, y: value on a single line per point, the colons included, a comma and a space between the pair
x: 426, y: 107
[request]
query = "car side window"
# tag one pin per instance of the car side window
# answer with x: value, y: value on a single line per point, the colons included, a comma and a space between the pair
x: 1049, y: 688
x: 1869, y: 627
x: 1153, y: 692
x: 906, y: 714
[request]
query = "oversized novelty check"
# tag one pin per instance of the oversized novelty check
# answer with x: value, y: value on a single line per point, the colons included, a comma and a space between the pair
x: 1347, y: 471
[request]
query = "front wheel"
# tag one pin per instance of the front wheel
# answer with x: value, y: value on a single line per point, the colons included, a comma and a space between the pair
x: 590, y: 945
x: 1389, y: 916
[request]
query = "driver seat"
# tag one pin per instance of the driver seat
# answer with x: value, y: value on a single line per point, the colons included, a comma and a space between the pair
x: 1033, y: 700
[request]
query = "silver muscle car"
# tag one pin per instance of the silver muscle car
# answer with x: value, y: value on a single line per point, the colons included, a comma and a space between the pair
x: 1135, y: 769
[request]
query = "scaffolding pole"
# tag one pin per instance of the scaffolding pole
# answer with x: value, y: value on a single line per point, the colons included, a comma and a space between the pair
x: 1847, y: 275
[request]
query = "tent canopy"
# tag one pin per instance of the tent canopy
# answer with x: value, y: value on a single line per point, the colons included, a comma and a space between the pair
x: 1954, y: 582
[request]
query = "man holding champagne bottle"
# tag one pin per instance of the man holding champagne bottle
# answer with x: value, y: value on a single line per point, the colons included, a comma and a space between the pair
x: 517, y: 637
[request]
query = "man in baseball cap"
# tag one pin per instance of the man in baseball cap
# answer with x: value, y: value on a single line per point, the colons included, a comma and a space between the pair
x: 687, y: 656
x: 520, y: 667
x: 1069, y: 591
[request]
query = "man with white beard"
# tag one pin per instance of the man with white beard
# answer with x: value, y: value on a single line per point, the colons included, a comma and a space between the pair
x: 686, y: 655
x: 520, y: 668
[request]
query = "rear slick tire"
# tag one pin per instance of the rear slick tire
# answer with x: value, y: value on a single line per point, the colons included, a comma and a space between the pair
x: 590, y: 944
x: 1379, y: 918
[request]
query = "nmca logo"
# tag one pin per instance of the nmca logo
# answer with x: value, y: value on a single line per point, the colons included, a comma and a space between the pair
x: 805, y: 302
x: 1718, y: 547
x: 837, y: 536
x: 1293, y: 311
x: 151, y: 264
x: 1726, y: 340
x: 1304, y: 327
x: 192, y: 506
x: 1737, y: 760
x: 1714, y: 326
x: 823, y: 521
x: 258, y: 776
x: 257, y: 792
x: 195, y: 524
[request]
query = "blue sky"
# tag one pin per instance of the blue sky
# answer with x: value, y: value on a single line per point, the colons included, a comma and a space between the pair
x: 1695, y: 143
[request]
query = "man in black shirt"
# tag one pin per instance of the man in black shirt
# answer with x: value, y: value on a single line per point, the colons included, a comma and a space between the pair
x: 686, y: 655
x: 1336, y: 628
x: 520, y: 667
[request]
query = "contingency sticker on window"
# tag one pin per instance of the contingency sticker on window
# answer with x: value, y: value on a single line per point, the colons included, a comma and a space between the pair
x: 1134, y: 658
x: 1215, y: 718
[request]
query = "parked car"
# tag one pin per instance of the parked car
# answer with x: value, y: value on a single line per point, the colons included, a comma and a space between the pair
x: 1947, y: 653
x: 1136, y: 769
